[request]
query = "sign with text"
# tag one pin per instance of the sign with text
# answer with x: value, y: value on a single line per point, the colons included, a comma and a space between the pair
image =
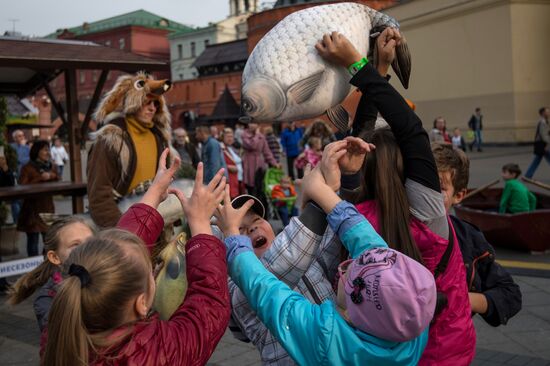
x: 19, y: 266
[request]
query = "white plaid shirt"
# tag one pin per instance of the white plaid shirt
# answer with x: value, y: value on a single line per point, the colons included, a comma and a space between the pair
x: 307, y: 263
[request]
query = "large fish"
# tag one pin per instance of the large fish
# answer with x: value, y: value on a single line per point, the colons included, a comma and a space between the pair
x: 285, y: 79
x: 171, y: 279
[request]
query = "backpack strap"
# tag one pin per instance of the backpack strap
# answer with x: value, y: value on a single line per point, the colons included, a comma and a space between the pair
x: 444, y: 261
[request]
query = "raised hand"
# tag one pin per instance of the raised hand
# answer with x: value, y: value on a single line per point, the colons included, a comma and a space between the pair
x: 356, y: 151
x: 329, y: 163
x: 204, y: 200
x: 337, y: 49
x: 313, y: 179
x: 229, y: 218
x: 158, y: 190
x: 386, y: 43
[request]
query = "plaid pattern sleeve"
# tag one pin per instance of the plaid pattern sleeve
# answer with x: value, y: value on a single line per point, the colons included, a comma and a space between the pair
x: 292, y: 252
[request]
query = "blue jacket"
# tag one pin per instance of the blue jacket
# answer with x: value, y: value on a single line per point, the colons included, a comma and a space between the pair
x: 291, y: 141
x: 317, y: 334
x: 212, y: 158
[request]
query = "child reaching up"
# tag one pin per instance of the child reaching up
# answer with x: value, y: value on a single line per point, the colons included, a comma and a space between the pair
x: 284, y: 197
x: 385, y: 299
x: 101, y: 312
x: 516, y: 198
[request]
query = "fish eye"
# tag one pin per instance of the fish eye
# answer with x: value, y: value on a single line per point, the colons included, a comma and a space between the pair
x: 247, y: 105
x: 139, y: 84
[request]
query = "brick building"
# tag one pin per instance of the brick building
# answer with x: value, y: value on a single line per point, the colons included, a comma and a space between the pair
x: 139, y: 32
x: 197, y: 97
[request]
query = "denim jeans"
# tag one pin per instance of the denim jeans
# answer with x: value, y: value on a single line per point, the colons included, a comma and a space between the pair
x: 535, y: 163
x: 32, y: 243
x: 477, y: 140
x: 283, y: 212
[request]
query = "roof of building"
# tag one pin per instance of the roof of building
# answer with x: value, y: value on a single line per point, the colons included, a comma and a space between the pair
x: 136, y: 18
x: 223, y: 53
x: 226, y: 108
x: 27, y: 63
x: 280, y: 3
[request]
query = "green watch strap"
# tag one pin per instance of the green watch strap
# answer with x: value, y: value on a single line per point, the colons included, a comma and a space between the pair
x: 356, y: 66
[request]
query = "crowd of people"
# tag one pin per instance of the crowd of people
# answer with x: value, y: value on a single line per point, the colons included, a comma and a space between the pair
x: 373, y: 268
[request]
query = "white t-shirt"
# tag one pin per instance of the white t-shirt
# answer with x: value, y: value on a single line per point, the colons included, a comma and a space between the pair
x: 59, y: 155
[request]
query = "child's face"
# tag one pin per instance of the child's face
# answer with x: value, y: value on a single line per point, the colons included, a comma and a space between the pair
x: 259, y: 231
x: 456, y: 132
x: 285, y: 183
x: 69, y: 238
x: 448, y: 190
x: 316, y: 146
x: 506, y: 175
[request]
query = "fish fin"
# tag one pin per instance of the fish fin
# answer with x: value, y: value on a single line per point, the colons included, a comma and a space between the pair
x: 402, y: 63
x: 339, y: 117
x: 303, y: 89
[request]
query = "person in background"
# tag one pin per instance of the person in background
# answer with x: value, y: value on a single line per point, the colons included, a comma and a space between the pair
x: 516, y: 197
x: 211, y: 154
x: 319, y: 129
x: 273, y: 143
x: 185, y: 148
x: 234, y: 164
x: 281, y: 194
x: 59, y: 156
x: 290, y: 140
x: 23, y: 156
x: 239, y: 130
x: 439, y: 132
x: 541, y: 146
x: 256, y: 154
x: 492, y: 291
x: 312, y: 154
x: 22, y: 149
x: 38, y: 170
x: 215, y: 133
x: 476, y: 124
x: 458, y: 140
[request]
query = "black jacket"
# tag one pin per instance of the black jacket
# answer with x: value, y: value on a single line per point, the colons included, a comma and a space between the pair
x: 486, y: 276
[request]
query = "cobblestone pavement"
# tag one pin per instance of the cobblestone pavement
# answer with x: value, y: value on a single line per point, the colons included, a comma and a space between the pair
x: 525, y: 340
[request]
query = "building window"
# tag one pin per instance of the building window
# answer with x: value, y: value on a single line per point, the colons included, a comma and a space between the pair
x: 121, y: 43
x: 180, y: 51
x: 193, y: 49
x: 206, y: 43
x: 82, y: 77
x: 108, y: 43
x: 181, y: 76
x: 214, y: 89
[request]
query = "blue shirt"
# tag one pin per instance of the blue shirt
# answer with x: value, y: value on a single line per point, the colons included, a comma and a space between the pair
x: 23, y: 155
x: 212, y: 158
x: 290, y: 140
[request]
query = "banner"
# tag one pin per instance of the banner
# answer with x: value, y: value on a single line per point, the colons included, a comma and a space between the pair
x: 19, y: 266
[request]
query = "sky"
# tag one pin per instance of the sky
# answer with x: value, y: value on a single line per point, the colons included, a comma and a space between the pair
x: 42, y: 17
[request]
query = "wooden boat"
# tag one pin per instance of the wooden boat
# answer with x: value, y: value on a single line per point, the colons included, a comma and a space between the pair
x: 525, y: 231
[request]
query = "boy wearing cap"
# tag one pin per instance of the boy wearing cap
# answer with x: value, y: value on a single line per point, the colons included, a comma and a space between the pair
x: 385, y: 299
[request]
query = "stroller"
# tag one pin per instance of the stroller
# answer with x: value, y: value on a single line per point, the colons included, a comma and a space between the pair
x: 273, y: 177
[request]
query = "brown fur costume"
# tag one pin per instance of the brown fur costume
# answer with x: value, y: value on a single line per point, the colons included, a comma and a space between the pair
x: 112, y: 161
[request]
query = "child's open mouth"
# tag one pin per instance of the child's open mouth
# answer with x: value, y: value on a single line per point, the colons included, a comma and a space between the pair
x: 260, y: 242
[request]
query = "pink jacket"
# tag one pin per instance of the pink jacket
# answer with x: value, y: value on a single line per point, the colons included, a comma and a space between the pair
x: 256, y: 154
x: 452, y: 335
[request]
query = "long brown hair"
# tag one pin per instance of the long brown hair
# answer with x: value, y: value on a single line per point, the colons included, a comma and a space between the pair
x: 30, y: 282
x: 82, y: 317
x: 383, y: 180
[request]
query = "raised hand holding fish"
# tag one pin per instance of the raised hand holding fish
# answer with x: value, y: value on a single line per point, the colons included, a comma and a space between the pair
x: 336, y: 48
x: 386, y: 44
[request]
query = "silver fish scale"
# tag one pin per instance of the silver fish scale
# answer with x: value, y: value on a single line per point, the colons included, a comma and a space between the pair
x: 287, y: 53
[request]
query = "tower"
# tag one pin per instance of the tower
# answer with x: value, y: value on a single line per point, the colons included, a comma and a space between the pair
x: 239, y: 7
